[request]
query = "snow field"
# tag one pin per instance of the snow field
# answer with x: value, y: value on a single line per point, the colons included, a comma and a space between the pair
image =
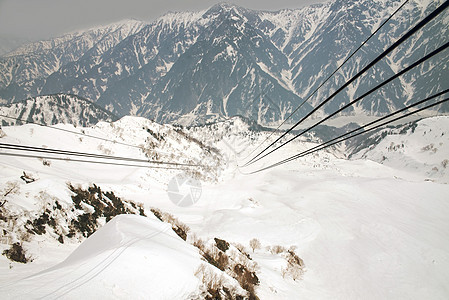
x: 365, y: 228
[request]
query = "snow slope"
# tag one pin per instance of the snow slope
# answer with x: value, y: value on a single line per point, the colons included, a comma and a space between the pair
x: 422, y: 150
x: 106, y: 265
x: 366, y: 229
x: 361, y: 236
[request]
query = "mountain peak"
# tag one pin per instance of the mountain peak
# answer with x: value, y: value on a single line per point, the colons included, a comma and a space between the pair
x: 224, y: 7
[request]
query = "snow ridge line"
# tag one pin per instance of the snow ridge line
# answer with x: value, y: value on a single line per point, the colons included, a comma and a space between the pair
x: 101, y: 266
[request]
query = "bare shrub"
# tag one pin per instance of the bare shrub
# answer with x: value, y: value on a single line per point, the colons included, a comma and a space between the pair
x: 24, y: 236
x: 247, y: 279
x: 214, y: 286
x: 216, y: 257
x: 296, y: 273
x: 277, y: 249
x: 239, y: 247
x: 39, y: 225
x: 237, y: 264
x: 294, y: 259
x: 197, y: 242
x: 150, y: 152
x: 295, y: 265
x: 234, y: 262
x: 242, y: 250
x: 60, y: 220
x: 157, y: 213
x: 178, y: 227
x: 445, y: 163
x: 102, y: 205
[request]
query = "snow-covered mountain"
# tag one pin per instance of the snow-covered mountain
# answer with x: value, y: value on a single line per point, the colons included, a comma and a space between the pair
x: 54, y: 109
x: 198, y: 67
x: 23, y: 72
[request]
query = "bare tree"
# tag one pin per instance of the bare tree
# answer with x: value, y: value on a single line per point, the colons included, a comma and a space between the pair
x: 255, y: 244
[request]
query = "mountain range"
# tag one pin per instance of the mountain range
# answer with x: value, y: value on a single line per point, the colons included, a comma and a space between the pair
x: 198, y: 67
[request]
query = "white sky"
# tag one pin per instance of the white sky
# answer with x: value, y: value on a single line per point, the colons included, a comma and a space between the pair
x: 37, y: 19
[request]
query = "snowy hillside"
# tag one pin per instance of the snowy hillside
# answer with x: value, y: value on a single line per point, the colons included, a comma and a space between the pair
x: 321, y: 227
x: 421, y: 148
x: 126, y: 244
x: 198, y: 67
x: 54, y: 109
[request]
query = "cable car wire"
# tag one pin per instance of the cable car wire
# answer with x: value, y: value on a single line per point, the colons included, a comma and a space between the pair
x: 332, y: 74
x: 412, y: 31
x: 88, y: 161
x: 74, y: 132
x: 415, y: 64
x: 345, y: 136
x: 84, y: 154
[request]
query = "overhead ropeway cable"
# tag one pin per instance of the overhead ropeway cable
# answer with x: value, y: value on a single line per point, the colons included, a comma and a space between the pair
x: 330, y: 76
x: 412, y: 31
x: 75, y: 132
x: 91, y: 155
x: 88, y: 161
x: 415, y: 64
x: 355, y: 132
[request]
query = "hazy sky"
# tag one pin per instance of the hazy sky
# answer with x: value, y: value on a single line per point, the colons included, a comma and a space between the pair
x: 37, y: 19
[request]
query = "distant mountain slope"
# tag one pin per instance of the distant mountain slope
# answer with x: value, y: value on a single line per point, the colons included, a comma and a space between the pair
x: 196, y: 67
x: 54, y: 109
x: 232, y: 62
x: 24, y: 71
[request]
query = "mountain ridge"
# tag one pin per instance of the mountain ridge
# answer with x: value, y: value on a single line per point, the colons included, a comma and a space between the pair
x: 54, y: 109
x: 133, y: 72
